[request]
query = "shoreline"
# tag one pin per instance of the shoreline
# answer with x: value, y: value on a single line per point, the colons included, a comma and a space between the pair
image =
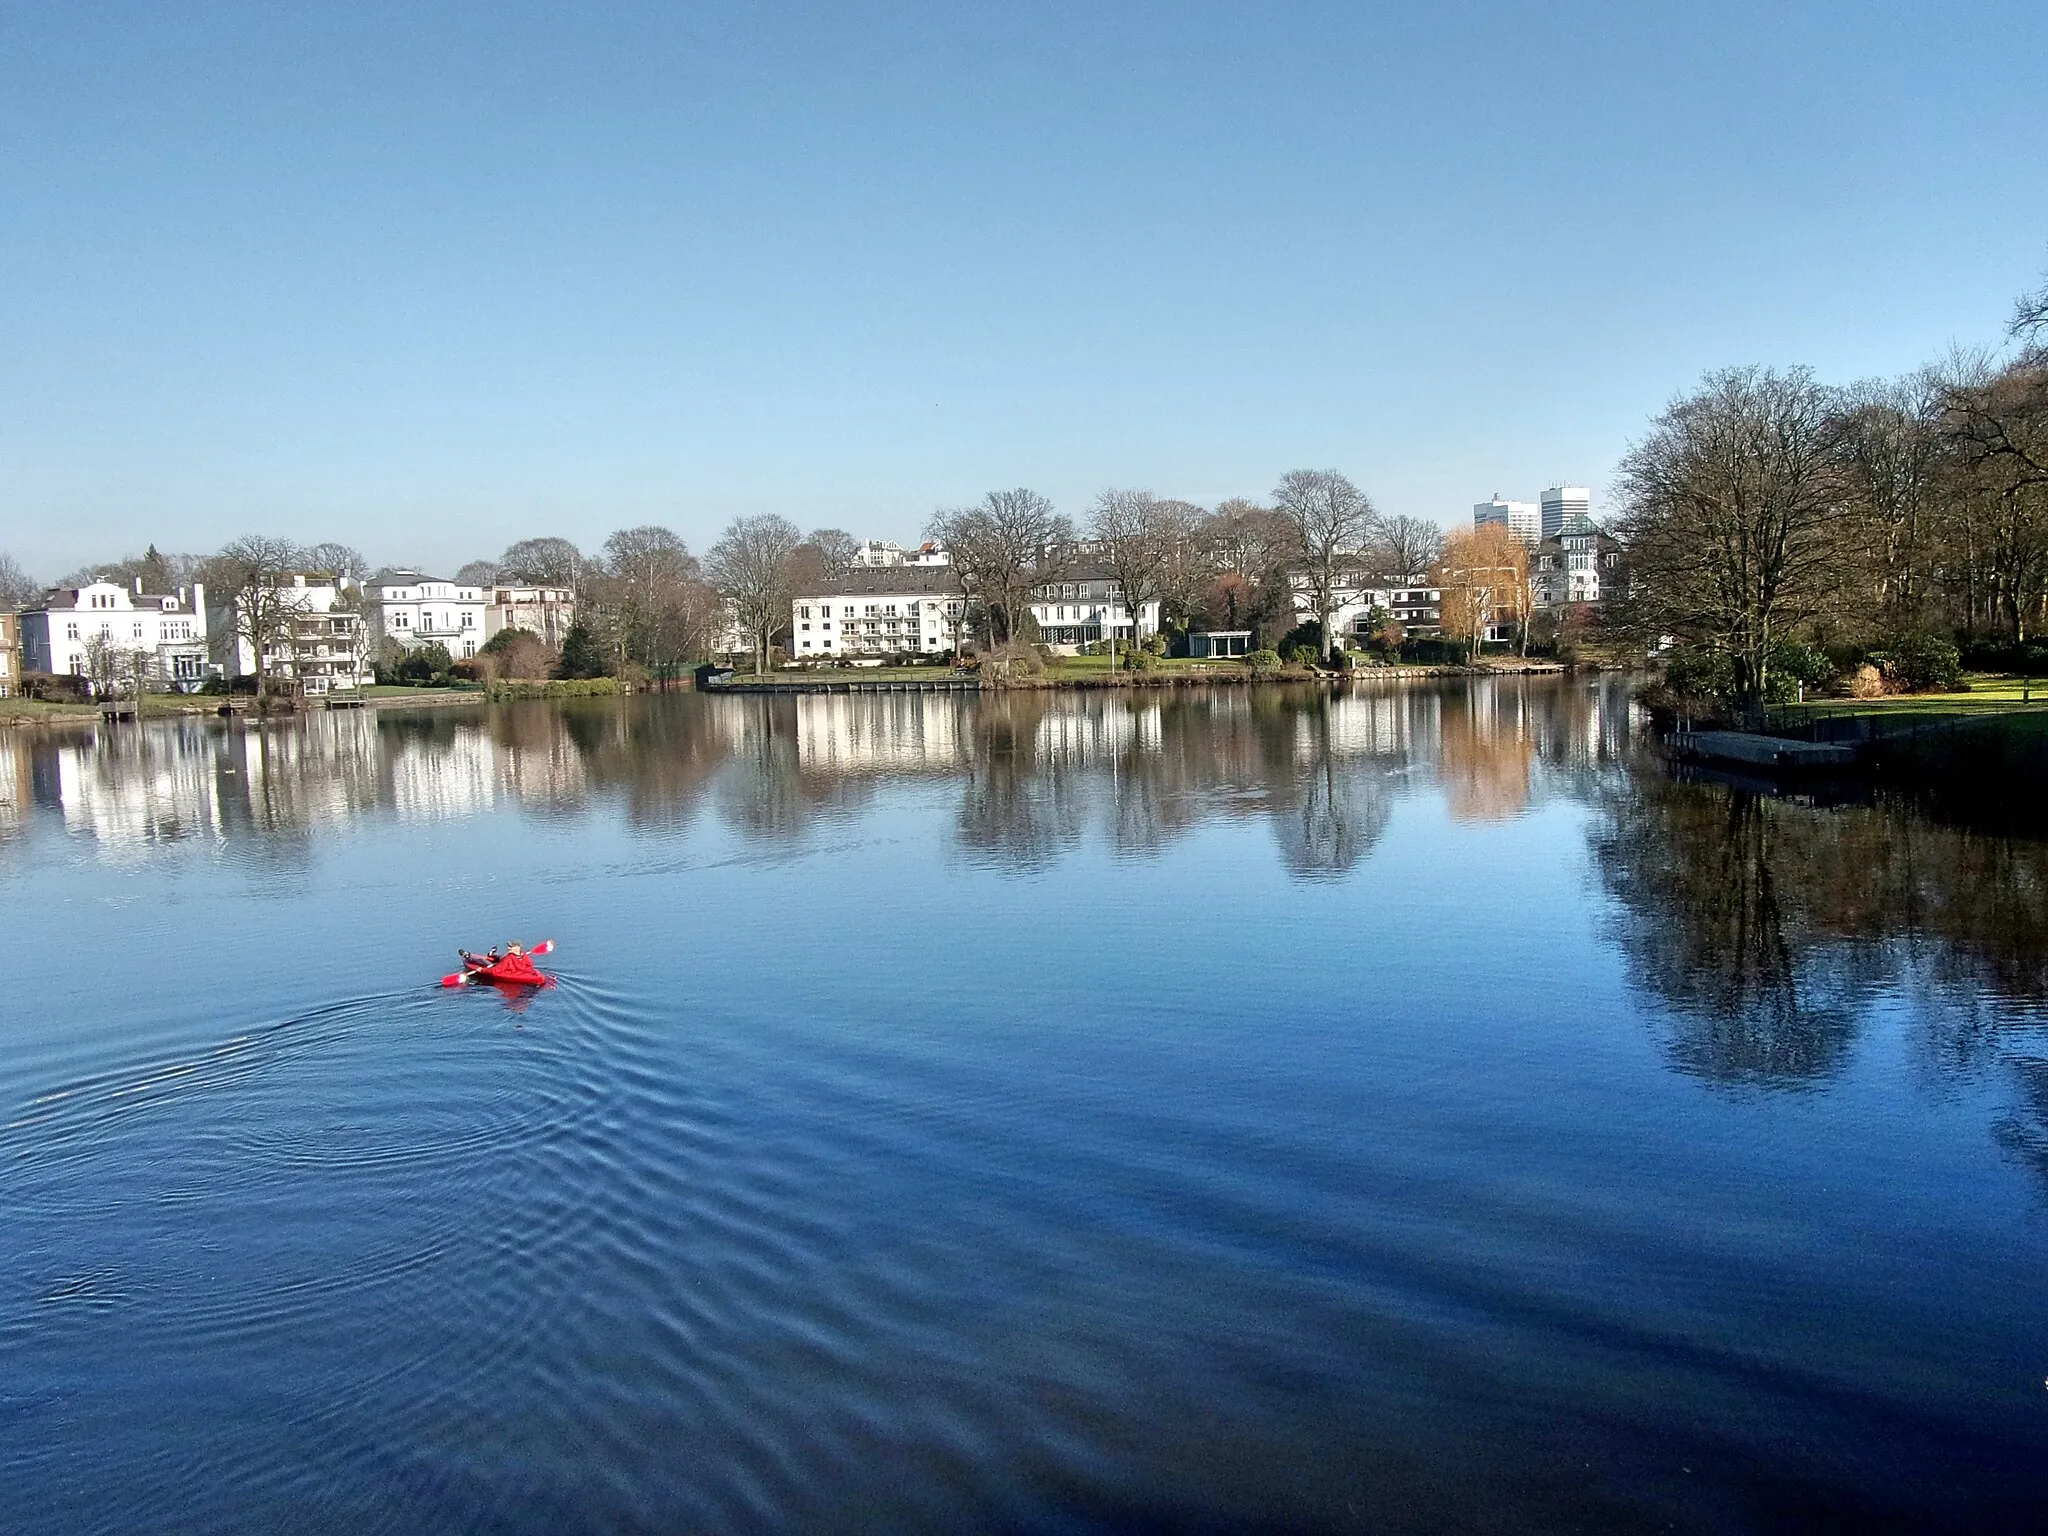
x: 207, y: 707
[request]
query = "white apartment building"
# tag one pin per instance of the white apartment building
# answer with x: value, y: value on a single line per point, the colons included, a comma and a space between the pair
x: 1575, y: 567
x: 1524, y: 519
x: 1409, y: 601
x: 1566, y: 509
x: 878, y: 611
x: 170, y: 631
x: 321, y: 645
x: 1087, y: 605
x: 544, y: 611
x: 415, y: 610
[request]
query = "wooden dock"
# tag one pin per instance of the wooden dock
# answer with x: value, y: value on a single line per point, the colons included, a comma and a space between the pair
x: 1753, y: 751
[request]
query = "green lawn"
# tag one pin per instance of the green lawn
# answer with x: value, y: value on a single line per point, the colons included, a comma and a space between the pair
x: 1984, y: 693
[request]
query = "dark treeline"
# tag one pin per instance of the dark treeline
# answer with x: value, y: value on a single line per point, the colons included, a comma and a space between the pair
x: 1783, y: 531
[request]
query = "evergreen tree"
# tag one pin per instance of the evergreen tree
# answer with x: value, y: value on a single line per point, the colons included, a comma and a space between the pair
x: 581, y: 656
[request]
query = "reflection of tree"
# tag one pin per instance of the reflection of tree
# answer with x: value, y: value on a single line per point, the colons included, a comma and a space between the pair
x: 1768, y: 924
x: 1697, y: 873
x: 1336, y: 811
x: 1019, y: 807
x: 1485, y: 754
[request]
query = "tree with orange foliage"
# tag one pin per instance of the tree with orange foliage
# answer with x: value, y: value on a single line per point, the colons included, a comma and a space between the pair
x: 1484, y: 579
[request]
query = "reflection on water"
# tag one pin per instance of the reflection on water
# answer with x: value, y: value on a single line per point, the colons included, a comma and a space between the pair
x: 1031, y: 771
x: 1402, y: 1109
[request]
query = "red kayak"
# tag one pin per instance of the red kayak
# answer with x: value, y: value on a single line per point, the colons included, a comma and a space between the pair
x: 513, y: 970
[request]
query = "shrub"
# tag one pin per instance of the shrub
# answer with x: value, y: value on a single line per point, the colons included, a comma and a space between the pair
x: 1263, y: 662
x: 1140, y: 660
x: 1922, y: 663
x: 1303, y: 655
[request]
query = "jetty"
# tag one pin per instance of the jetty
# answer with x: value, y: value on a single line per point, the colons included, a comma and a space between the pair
x: 1751, y: 750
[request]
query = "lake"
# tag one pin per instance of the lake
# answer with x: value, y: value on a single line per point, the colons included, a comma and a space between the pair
x: 1412, y: 1109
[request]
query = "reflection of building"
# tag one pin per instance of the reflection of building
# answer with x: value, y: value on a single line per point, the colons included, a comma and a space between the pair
x: 890, y: 611
x: 544, y: 611
x: 1524, y: 519
x: 879, y: 733
x: 168, y: 632
x: 1573, y: 568
x: 415, y: 610
x: 1087, y: 605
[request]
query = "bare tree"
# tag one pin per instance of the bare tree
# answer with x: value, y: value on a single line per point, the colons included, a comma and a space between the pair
x: 750, y: 567
x: 1892, y: 458
x: 1483, y: 575
x: 1405, y: 546
x: 1135, y: 535
x: 17, y: 589
x: 658, y: 603
x: 1002, y: 548
x: 544, y: 562
x: 1190, y: 564
x: 835, y: 546
x: 1731, y: 509
x: 478, y: 573
x: 1331, y: 519
x: 255, y: 574
x: 1994, y: 424
x: 334, y: 559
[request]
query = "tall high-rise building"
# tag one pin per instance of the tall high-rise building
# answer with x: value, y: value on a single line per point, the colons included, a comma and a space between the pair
x: 1566, y: 509
x: 1521, y: 518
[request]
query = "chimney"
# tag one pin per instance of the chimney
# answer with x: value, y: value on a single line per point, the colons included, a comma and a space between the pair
x: 138, y: 586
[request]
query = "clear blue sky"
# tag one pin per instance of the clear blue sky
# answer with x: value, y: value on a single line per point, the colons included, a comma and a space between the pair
x: 429, y: 278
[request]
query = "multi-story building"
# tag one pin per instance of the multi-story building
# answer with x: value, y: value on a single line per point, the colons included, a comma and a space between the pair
x: 168, y: 631
x: 1087, y: 605
x: 878, y: 611
x: 544, y: 611
x: 1566, y: 509
x: 10, y: 655
x: 1574, y: 567
x: 1524, y: 519
x: 415, y: 610
x: 1365, y: 599
x: 317, y: 640
x: 883, y: 554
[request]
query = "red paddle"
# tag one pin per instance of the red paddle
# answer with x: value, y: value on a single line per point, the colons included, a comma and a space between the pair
x: 462, y: 978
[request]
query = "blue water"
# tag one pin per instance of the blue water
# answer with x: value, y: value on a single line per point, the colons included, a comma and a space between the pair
x: 1409, y: 1111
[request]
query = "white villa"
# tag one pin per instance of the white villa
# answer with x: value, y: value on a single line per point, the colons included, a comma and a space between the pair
x: 416, y: 610
x: 1573, y: 567
x: 1086, y: 605
x: 544, y: 611
x: 170, y: 631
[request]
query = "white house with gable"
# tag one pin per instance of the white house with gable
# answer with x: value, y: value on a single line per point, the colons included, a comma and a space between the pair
x: 169, y: 630
x: 415, y: 610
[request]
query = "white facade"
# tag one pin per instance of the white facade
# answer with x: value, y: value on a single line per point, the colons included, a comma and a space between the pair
x: 888, y: 611
x: 1409, y: 601
x: 322, y: 643
x: 1524, y: 519
x: 417, y: 610
x: 169, y: 631
x: 1086, y: 606
x: 1566, y: 509
x: 1573, y: 568
x: 887, y: 554
x: 544, y: 611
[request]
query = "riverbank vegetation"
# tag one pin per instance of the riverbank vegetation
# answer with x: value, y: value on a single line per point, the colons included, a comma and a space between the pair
x: 1785, y: 536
